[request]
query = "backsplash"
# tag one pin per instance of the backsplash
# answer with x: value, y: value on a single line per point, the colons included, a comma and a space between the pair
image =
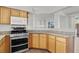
x: 4, y: 27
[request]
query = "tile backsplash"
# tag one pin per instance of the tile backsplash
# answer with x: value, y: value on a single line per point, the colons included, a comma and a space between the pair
x: 4, y: 27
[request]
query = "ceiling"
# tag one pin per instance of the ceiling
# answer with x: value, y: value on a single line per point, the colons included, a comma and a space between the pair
x: 48, y: 9
x: 39, y: 9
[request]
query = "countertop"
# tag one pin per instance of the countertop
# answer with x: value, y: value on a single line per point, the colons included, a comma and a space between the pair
x: 57, y: 33
x: 2, y: 35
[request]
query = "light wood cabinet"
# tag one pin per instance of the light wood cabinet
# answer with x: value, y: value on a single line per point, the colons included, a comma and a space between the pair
x: 30, y: 40
x: 19, y: 13
x: 5, y: 45
x: 35, y: 40
x: 61, y: 46
x: 15, y: 12
x: 2, y: 47
x: 51, y: 43
x: 43, y: 41
x: 23, y: 14
x: 4, y: 15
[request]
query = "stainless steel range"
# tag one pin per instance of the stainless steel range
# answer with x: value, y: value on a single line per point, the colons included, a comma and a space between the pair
x: 19, y: 38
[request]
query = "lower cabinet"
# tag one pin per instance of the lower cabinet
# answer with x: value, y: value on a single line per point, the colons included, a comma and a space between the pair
x: 30, y: 40
x: 43, y: 41
x: 5, y: 45
x: 61, y: 46
x: 38, y: 41
x: 51, y: 43
x: 35, y: 40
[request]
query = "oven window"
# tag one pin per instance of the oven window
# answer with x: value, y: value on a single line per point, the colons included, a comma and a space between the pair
x: 19, y: 41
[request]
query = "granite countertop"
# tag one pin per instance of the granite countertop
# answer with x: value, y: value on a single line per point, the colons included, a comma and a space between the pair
x: 57, y: 33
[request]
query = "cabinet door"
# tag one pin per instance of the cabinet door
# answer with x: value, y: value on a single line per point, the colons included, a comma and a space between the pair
x: 43, y: 41
x: 15, y: 12
x: 5, y: 15
x: 51, y: 43
x: 35, y: 40
x: 61, y: 45
x: 5, y: 45
x: 2, y: 47
x: 30, y: 40
x: 23, y: 14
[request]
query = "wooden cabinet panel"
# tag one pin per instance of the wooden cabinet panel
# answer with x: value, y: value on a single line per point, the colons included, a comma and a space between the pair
x: 23, y: 14
x: 43, y: 41
x: 15, y: 12
x: 5, y: 45
x: 61, y: 45
x: 2, y: 47
x: 30, y: 40
x: 51, y: 43
x: 4, y: 15
x: 35, y: 40
x: 62, y: 39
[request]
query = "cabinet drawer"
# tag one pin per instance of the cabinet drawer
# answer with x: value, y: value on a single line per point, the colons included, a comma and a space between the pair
x: 35, y: 34
x: 43, y: 35
x: 51, y: 36
x: 61, y: 39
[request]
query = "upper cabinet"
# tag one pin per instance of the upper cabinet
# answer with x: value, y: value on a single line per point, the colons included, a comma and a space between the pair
x: 23, y: 14
x: 15, y: 12
x: 4, y: 15
x: 19, y: 13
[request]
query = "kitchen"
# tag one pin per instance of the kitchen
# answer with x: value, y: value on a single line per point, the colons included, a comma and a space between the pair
x: 39, y: 29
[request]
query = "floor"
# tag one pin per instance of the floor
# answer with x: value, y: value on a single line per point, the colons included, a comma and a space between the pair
x: 37, y: 51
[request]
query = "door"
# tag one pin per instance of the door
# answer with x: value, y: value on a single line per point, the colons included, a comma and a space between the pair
x: 5, y: 15
x: 51, y: 43
x: 35, y: 40
x: 43, y: 41
x: 61, y: 45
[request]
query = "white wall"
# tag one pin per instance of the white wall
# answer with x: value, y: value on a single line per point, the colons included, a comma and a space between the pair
x: 61, y: 21
x: 30, y: 20
x: 41, y: 20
